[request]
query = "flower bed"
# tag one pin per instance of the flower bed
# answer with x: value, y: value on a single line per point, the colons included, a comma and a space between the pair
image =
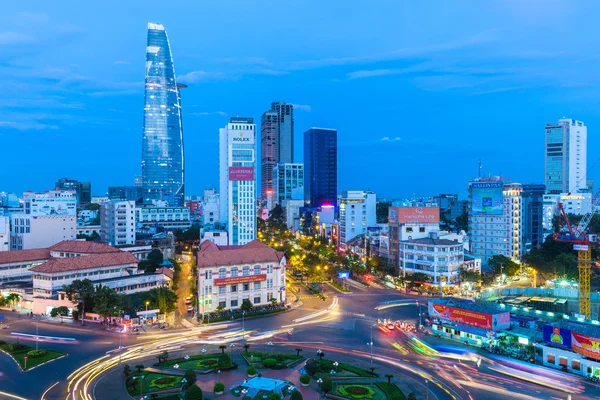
x: 344, y: 369
x: 359, y: 391
x: 203, y: 362
x: 151, y: 382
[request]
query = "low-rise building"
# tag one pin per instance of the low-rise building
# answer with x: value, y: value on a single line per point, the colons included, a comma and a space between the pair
x: 218, y: 237
x: 406, y: 223
x: 440, y: 259
x: 169, y: 218
x: 357, y: 212
x: 4, y: 233
x: 576, y: 204
x: 15, y: 265
x: 228, y: 275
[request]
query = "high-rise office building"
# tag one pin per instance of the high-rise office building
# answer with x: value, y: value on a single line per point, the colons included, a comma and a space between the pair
x: 237, y: 175
x: 496, y: 218
x: 134, y: 193
x: 83, y: 190
x: 162, y: 144
x: 533, y: 215
x: 277, y: 142
x: 566, y: 156
x: 357, y: 213
x: 320, y: 167
x: 288, y: 182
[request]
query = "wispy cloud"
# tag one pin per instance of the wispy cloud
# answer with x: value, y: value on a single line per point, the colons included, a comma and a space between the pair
x: 121, y: 62
x: 26, y: 126
x: 369, y: 73
x: 29, y: 17
x: 302, y: 107
x: 388, y: 139
x: 203, y: 76
x: 244, y: 60
x: 204, y: 113
x: 15, y: 38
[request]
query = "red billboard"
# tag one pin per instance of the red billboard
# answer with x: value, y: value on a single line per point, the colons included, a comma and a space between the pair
x: 240, y: 279
x: 413, y: 215
x: 585, y: 345
x: 468, y: 317
x: 241, y: 173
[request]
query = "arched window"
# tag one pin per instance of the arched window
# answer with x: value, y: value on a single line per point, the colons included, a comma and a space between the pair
x: 234, y: 271
x: 246, y: 270
x: 257, y: 270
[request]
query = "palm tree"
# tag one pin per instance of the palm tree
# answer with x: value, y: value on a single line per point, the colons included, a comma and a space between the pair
x: 222, y: 347
x: 372, y: 369
x: 298, y: 352
x: 246, y: 347
x: 13, y: 299
x: 139, y: 367
x: 389, y: 377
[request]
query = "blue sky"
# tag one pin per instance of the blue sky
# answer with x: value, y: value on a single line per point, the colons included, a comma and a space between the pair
x: 419, y: 93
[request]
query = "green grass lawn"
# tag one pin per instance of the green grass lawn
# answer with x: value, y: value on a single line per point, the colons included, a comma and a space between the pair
x: 392, y: 391
x: 344, y: 369
x: 151, y: 382
x: 256, y: 358
x: 199, y: 362
x: 31, y: 362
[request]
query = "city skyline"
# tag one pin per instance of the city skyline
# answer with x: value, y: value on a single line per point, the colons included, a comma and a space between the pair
x: 482, y: 90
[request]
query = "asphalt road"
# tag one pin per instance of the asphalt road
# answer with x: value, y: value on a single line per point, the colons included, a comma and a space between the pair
x: 343, y: 331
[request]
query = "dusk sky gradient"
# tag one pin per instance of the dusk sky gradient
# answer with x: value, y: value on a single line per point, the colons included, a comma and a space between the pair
x: 419, y: 91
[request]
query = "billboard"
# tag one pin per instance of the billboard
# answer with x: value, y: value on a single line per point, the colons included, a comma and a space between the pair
x: 240, y: 279
x: 557, y: 337
x: 241, y: 173
x: 53, y: 207
x: 585, y: 345
x: 468, y: 317
x: 241, y: 137
x: 486, y: 198
x: 412, y: 215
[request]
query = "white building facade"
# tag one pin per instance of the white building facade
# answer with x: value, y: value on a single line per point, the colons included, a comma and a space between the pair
x: 49, y: 217
x: 576, y: 204
x: 4, y: 233
x: 566, y: 156
x: 237, y: 176
x: 227, y: 277
x: 495, y: 219
x: 170, y: 218
x: 288, y: 182
x: 440, y: 259
x: 357, y: 212
x: 117, y: 219
x: 210, y: 209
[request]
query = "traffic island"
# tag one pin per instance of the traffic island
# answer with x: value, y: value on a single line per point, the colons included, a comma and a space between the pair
x: 27, y: 357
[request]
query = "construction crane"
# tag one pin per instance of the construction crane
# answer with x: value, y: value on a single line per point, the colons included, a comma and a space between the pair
x: 577, y: 235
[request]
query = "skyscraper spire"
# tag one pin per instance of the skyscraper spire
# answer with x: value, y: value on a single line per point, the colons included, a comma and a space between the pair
x: 162, y: 143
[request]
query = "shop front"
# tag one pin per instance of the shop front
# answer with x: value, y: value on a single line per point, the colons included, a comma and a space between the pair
x: 469, y: 335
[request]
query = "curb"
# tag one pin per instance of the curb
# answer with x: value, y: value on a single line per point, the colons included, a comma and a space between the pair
x: 32, y: 368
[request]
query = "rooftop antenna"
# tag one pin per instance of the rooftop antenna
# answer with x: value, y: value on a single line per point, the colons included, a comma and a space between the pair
x: 479, y: 172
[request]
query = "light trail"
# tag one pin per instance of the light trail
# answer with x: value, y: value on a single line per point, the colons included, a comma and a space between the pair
x: 12, y: 396
x: 333, y: 305
x: 47, y: 390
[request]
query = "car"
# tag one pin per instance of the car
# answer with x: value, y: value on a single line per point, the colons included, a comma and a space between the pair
x: 517, y: 278
x: 390, y: 326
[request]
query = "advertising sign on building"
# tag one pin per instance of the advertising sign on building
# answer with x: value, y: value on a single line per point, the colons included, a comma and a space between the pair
x: 51, y: 207
x: 240, y: 279
x: 241, y: 173
x: 557, y: 337
x: 486, y: 198
x: 412, y: 215
x: 242, y: 137
x: 585, y: 345
x: 468, y: 317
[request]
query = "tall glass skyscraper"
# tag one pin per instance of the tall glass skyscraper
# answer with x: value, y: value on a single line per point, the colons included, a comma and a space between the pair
x: 320, y: 167
x: 277, y: 142
x: 162, y: 144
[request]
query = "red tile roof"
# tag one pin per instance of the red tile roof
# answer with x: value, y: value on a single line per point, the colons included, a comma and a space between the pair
x: 166, y: 272
x: 83, y: 247
x: 254, y: 252
x: 86, y: 262
x: 15, y: 256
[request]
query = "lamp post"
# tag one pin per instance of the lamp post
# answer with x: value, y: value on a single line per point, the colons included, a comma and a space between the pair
x: 243, y: 327
x: 427, y: 389
x: 120, y: 344
x: 37, y: 333
x: 370, y: 344
x: 147, y: 304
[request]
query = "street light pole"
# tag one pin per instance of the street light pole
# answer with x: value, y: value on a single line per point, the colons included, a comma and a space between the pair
x: 371, y: 343
x: 37, y: 333
x: 120, y: 344
x: 243, y: 327
x: 427, y: 389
